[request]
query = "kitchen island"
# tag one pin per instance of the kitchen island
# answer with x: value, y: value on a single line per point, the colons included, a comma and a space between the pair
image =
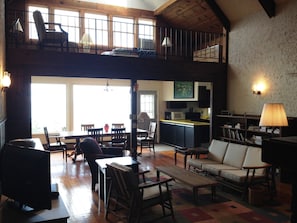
x: 184, y: 133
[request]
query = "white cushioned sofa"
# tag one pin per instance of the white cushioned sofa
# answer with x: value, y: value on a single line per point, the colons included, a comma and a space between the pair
x: 234, y: 165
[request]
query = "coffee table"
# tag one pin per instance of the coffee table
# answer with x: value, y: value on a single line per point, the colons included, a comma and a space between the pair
x: 194, y: 180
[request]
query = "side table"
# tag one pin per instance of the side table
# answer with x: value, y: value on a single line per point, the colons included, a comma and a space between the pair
x: 197, y: 151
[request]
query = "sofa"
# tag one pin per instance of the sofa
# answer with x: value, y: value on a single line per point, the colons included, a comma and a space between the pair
x: 234, y: 165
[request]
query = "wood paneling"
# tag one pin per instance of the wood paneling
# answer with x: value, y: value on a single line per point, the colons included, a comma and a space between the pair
x: 190, y: 14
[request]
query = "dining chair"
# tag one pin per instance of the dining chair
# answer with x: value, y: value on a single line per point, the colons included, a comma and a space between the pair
x: 128, y: 198
x: 58, y: 145
x: 97, y: 134
x: 117, y: 125
x: 85, y: 127
x: 119, y: 137
x: 148, y: 140
x: 47, y: 34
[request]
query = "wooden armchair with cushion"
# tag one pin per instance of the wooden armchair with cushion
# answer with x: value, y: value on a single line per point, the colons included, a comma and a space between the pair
x: 148, y: 140
x: 92, y: 151
x: 47, y: 34
x: 128, y: 198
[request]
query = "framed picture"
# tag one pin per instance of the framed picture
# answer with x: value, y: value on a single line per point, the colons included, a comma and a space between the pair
x: 183, y: 89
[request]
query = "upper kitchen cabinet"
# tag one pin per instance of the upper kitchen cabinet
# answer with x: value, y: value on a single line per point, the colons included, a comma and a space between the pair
x: 170, y: 94
x: 204, y: 97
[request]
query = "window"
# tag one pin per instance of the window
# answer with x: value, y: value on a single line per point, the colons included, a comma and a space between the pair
x: 147, y: 103
x: 97, y: 27
x: 32, y: 27
x: 48, y: 107
x: 123, y: 32
x: 146, y: 29
x: 93, y: 104
x: 65, y: 104
x: 70, y: 23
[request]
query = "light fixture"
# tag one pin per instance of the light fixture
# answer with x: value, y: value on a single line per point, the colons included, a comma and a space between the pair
x: 258, y: 88
x: 273, y: 115
x: 86, y: 41
x: 17, y: 26
x: 6, y: 81
x: 166, y: 43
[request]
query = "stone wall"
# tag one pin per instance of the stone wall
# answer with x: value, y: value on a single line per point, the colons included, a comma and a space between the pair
x: 264, y: 49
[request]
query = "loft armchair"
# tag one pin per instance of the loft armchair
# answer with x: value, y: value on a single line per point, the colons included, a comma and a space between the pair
x: 47, y: 34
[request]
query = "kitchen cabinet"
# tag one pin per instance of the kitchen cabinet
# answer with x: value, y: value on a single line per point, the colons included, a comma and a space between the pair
x: 184, y: 133
x: 203, y: 97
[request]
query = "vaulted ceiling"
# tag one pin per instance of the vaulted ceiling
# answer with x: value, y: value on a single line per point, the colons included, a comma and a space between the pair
x: 210, y: 15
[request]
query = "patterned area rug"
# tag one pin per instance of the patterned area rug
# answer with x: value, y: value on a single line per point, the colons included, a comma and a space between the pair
x: 225, y: 208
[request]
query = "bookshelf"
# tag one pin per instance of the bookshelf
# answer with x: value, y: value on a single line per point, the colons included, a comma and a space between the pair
x: 244, y: 129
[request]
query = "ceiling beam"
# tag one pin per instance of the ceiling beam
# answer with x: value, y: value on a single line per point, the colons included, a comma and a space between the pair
x: 159, y: 10
x: 219, y: 13
x: 269, y: 7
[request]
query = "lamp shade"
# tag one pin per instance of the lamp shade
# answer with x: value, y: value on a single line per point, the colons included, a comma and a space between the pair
x: 86, y: 39
x: 166, y: 42
x: 273, y: 114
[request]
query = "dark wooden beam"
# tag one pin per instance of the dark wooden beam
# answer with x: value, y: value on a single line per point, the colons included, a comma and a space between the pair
x: 269, y: 7
x: 219, y: 13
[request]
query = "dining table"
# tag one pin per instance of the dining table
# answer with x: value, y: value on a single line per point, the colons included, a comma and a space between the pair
x: 80, y: 135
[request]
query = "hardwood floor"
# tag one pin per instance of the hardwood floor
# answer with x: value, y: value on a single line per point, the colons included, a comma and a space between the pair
x: 74, y: 180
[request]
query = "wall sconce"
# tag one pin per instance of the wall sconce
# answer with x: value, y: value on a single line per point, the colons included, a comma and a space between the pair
x: 6, y: 81
x: 258, y: 88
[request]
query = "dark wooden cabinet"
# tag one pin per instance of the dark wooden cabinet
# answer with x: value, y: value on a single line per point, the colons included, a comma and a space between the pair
x: 203, y: 97
x: 184, y: 135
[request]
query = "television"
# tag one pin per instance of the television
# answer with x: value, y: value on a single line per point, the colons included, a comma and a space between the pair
x: 25, y: 177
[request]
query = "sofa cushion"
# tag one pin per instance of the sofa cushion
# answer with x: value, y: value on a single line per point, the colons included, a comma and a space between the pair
x: 215, y: 169
x: 254, y: 158
x: 197, y: 163
x: 235, y: 155
x: 217, y: 150
x: 238, y: 176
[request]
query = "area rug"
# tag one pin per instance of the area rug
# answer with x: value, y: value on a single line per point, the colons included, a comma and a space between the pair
x: 225, y: 208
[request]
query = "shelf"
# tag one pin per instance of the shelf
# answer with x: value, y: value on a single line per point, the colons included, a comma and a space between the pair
x: 243, y: 129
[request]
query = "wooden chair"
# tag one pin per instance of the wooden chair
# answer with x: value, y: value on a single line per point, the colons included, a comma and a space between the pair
x: 127, y: 198
x: 117, y: 125
x: 97, y: 134
x: 58, y: 145
x: 148, y: 140
x: 47, y: 33
x: 85, y: 127
x: 119, y: 137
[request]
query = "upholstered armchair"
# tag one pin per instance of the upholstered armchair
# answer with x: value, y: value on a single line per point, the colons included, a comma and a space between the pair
x: 92, y: 151
x: 47, y: 34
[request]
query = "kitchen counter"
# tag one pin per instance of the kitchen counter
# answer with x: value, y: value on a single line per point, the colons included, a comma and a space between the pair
x: 185, y: 122
x: 184, y: 133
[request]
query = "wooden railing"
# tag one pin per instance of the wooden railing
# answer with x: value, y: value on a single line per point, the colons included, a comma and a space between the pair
x: 184, y: 44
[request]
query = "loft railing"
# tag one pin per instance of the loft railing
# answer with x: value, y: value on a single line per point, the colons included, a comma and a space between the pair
x: 111, y: 38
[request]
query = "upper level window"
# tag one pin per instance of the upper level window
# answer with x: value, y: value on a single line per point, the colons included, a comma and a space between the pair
x: 146, y: 33
x: 123, y: 32
x: 146, y: 29
x: 70, y: 23
x: 97, y: 28
x: 32, y: 27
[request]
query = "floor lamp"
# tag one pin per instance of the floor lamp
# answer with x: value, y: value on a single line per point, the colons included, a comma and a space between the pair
x: 166, y: 43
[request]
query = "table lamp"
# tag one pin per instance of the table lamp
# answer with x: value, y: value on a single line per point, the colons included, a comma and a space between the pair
x: 273, y: 115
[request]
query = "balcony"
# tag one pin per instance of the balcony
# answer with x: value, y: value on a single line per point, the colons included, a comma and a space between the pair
x: 104, y: 37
